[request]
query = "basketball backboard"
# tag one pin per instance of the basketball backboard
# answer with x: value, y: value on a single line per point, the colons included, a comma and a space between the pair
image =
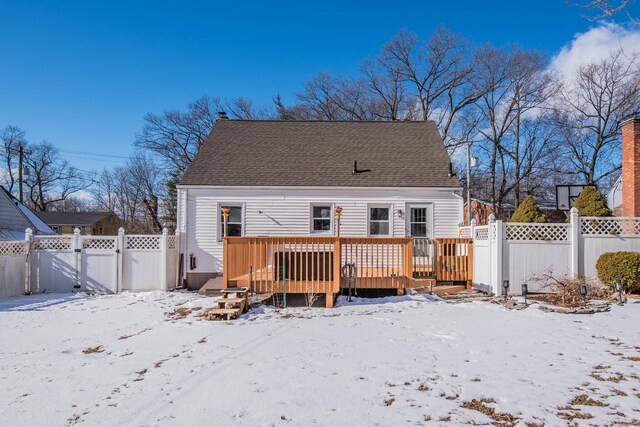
x: 566, y: 195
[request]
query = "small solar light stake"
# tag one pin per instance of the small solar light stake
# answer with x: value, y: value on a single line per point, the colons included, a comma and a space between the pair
x: 525, y: 290
x: 583, y: 292
x: 619, y: 290
x: 505, y: 289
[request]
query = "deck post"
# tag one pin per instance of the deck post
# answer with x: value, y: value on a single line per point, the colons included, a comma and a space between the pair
x: 329, y: 300
x: 470, y: 261
x: 337, y: 271
x: 408, y: 263
x: 225, y: 262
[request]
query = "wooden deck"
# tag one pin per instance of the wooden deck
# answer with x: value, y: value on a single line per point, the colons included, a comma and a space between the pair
x: 314, y: 264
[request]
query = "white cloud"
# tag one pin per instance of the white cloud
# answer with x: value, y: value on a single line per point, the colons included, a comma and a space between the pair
x: 597, y: 43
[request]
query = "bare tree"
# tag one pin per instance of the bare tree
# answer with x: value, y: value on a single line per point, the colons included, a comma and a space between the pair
x: 135, y: 192
x: 11, y: 138
x: 442, y: 75
x: 147, y: 176
x: 590, y: 109
x: 514, y: 131
x: 609, y: 8
x: 245, y: 109
x: 389, y: 93
x: 177, y: 136
x: 50, y: 179
x: 72, y: 204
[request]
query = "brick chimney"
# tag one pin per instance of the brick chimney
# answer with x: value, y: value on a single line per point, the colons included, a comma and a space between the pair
x: 631, y: 166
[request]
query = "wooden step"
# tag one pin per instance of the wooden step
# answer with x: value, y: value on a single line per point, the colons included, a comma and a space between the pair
x: 230, y: 300
x: 223, y: 313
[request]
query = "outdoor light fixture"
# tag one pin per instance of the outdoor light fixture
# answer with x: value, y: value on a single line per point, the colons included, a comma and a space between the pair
x: 619, y: 290
x: 525, y: 289
x: 505, y: 288
x: 583, y: 292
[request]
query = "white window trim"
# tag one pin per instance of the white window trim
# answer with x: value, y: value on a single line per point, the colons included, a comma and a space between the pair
x: 407, y: 217
x: 390, y: 220
x: 219, y: 222
x: 331, y: 218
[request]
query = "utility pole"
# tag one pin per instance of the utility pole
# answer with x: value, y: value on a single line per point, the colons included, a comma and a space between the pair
x: 20, y: 156
x: 468, y: 183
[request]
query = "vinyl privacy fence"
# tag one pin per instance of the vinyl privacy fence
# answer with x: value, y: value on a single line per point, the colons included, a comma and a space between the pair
x: 101, y: 264
x: 525, y: 252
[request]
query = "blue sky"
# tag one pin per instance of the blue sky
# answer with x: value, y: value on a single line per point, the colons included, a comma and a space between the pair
x: 82, y: 74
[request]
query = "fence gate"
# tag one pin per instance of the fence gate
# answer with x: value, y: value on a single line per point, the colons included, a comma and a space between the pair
x: 54, y: 264
x: 99, y: 264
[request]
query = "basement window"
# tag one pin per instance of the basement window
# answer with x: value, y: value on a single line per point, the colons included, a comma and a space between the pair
x: 379, y: 220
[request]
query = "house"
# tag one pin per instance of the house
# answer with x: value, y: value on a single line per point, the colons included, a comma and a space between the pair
x: 15, y: 218
x: 294, y: 178
x: 89, y: 223
x: 481, y: 210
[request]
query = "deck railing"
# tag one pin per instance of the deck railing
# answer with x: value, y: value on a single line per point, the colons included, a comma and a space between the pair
x: 454, y: 259
x: 424, y: 258
x: 313, y: 264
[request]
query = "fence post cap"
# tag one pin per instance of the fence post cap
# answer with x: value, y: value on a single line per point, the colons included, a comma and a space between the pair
x: 574, y: 211
x: 165, y: 231
x: 120, y: 230
x: 473, y: 222
x: 492, y: 218
x: 28, y: 231
x: 76, y: 230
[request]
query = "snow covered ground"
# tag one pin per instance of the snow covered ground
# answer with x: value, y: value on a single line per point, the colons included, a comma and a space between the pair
x: 124, y: 360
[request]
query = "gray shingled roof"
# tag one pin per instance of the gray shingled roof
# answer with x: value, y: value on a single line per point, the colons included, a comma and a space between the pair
x: 72, y: 218
x: 321, y: 153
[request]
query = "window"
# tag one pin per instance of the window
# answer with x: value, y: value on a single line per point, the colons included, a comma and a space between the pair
x: 321, y: 218
x: 379, y: 220
x: 234, y: 223
x: 100, y: 230
x: 418, y: 222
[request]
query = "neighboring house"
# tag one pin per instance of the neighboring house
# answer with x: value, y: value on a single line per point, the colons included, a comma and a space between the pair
x: 89, y: 223
x: 481, y: 210
x: 614, y: 197
x: 285, y: 178
x: 15, y: 218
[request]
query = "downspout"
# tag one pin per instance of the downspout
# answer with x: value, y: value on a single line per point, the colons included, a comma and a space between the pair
x: 184, y: 245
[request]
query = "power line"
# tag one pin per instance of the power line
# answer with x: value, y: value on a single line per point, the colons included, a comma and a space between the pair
x: 92, y: 154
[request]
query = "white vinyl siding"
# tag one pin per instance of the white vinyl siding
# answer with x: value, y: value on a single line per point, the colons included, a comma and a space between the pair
x: 286, y: 212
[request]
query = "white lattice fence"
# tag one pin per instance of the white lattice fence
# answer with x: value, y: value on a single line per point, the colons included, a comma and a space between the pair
x: 523, y: 231
x: 465, y: 231
x: 142, y: 242
x: 594, y: 226
x: 53, y: 243
x: 11, y: 247
x: 481, y: 233
x: 99, y: 243
x: 172, y: 242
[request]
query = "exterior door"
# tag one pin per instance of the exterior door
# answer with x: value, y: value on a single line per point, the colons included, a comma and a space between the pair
x: 419, y: 227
